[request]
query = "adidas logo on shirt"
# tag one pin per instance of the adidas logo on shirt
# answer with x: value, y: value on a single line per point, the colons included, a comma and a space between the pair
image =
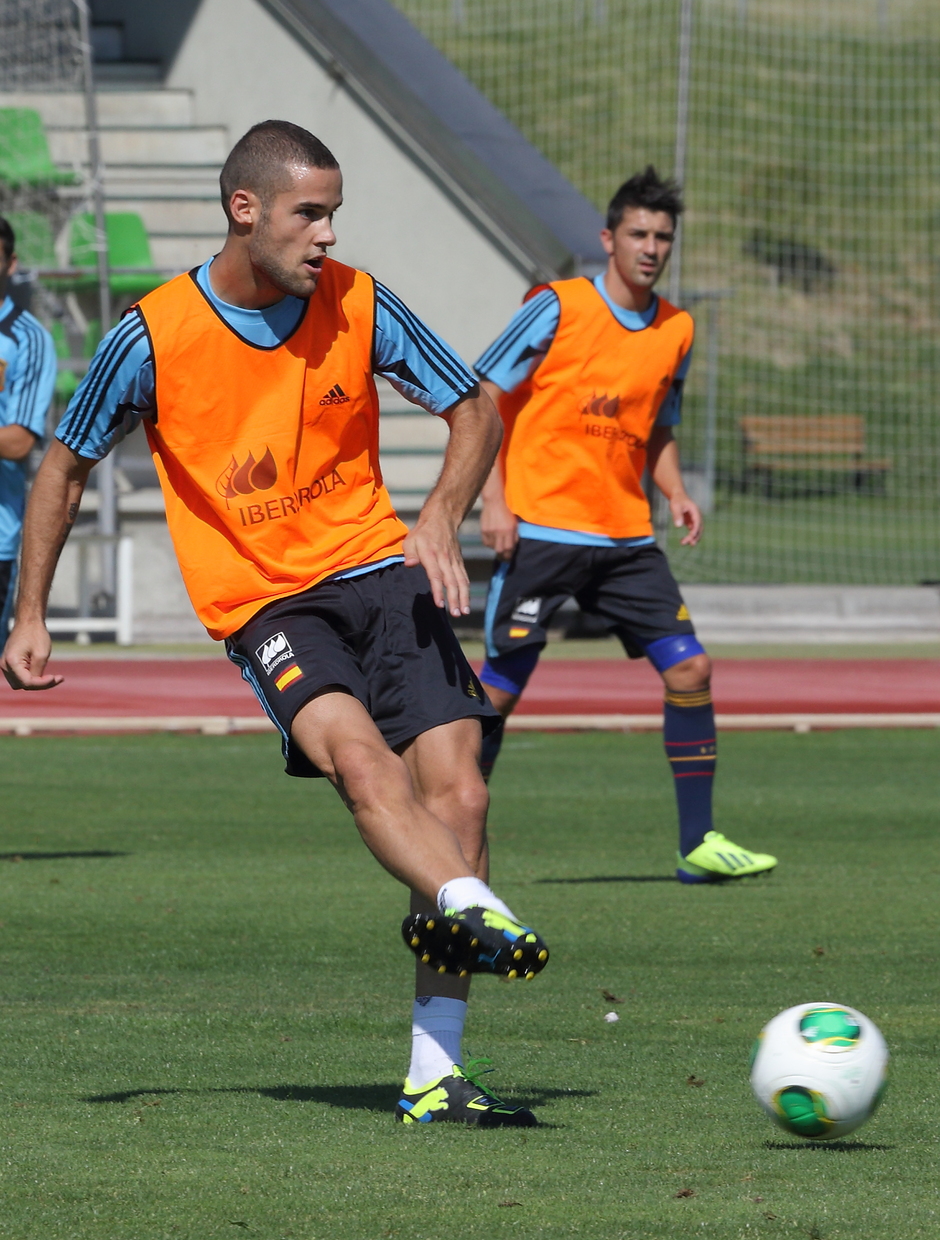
x: 335, y: 396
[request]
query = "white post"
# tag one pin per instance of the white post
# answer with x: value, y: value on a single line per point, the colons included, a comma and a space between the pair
x: 682, y: 139
x: 107, y: 495
x: 125, y: 591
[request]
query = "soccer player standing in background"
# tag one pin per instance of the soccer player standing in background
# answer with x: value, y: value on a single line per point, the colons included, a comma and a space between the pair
x: 27, y: 382
x: 253, y: 377
x: 588, y: 377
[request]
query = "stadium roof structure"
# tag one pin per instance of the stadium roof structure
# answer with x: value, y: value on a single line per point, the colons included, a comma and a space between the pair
x: 511, y: 191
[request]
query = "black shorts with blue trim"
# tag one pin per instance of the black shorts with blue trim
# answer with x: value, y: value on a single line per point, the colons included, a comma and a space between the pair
x: 631, y: 589
x: 380, y: 637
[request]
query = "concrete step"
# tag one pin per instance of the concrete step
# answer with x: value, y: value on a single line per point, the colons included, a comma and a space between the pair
x: 182, y: 253
x: 410, y: 473
x: 145, y: 146
x: 172, y: 183
x: 784, y: 614
x: 171, y: 216
x: 401, y: 433
x: 131, y: 107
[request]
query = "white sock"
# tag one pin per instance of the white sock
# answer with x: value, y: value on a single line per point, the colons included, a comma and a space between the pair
x: 436, y: 1030
x: 461, y: 893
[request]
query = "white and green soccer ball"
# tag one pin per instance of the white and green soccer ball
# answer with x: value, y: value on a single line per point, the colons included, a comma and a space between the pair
x: 819, y: 1069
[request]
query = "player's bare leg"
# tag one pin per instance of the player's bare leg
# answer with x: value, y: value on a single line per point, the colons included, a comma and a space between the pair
x: 444, y: 767
x: 338, y: 735
x: 477, y: 933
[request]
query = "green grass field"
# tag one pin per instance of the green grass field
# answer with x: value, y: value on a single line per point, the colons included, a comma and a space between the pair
x: 206, y: 1004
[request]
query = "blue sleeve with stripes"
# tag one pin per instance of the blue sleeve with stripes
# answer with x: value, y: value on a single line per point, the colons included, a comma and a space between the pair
x: 32, y: 381
x: 414, y: 360
x: 115, y: 395
x: 514, y: 355
x: 670, y: 411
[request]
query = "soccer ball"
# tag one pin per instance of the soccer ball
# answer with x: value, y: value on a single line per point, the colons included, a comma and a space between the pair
x: 819, y: 1069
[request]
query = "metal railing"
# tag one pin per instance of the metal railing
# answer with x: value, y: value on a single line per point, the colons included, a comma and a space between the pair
x: 86, y: 621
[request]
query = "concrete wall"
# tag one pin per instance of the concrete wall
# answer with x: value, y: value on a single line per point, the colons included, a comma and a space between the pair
x: 152, y: 32
x: 243, y: 67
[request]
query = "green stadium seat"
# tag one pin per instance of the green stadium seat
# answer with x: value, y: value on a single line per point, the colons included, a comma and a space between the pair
x: 34, y: 244
x: 128, y: 247
x: 25, y: 161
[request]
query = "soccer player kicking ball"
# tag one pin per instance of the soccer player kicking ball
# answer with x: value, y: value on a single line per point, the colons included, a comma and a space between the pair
x: 253, y: 377
x: 588, y: 376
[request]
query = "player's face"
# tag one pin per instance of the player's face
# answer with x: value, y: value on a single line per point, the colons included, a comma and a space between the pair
x: 295, y: 230
x: 640, y: 246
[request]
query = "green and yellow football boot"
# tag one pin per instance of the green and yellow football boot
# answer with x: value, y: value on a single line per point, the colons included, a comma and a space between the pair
x: 475, y: 940
x: 459, y: 1099
x: 717, y: 859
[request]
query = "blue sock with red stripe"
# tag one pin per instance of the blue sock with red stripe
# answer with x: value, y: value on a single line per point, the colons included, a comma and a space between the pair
x: 490, y: 751
x: 689, y: 738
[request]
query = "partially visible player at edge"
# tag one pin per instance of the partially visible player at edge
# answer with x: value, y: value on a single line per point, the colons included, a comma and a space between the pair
x: 588, y: 378
x: 27, y: 383
x: 253, y: 377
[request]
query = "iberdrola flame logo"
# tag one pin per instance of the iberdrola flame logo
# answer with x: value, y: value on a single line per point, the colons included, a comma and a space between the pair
x: 601, y: 407
x: 247, y: 478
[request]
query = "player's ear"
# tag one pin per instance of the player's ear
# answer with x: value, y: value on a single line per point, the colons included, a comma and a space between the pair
x: 244, y: 208
x: 607, y: 240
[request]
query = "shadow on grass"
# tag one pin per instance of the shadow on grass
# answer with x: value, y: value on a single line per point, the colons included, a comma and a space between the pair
x: 613, y: 878
x: 380, y: 1097
x: 833, y: 1147
x: 60, y: 856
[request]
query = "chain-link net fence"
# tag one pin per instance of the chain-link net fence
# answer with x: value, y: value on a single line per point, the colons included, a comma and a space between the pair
x: 810, y: 250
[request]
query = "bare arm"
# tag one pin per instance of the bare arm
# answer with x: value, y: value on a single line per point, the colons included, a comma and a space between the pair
x: 498, y: 526
x: 50, y: 515
x: 475, y: 434
x: 662, y: 457
x: 16, y: 443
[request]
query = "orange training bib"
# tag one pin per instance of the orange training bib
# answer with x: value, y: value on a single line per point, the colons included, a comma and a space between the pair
x: 577, y: 430
x: 268, y: 458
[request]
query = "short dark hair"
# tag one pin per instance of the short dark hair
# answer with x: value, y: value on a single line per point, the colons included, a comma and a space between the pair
x: 260, y: 160
x: 7, y: 238
x: 646, y: 189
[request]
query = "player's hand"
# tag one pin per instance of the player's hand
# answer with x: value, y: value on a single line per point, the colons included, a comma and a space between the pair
x: 686, y: 513
x: 499, y: 528
x: 433, y: 544
x: 25, y: 657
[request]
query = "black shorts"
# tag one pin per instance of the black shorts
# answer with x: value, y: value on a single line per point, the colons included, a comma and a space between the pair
x: 631, y: 588
x: 380, y: 637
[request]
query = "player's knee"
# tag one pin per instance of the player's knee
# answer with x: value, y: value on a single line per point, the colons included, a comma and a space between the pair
x: 690, y: 675
x: 472, y: 796
x: 460, y: 797
x: 369, y: 774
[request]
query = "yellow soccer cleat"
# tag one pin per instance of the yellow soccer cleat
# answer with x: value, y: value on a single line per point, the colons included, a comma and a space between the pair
x: 717, y: 859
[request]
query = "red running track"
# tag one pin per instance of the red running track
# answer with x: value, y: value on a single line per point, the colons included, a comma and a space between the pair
x: 578, y: 686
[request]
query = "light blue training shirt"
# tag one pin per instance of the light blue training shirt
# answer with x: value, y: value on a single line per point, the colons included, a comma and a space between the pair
x: 27, y: 382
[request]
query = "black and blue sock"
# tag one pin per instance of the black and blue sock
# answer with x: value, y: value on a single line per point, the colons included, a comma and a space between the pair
x: 509, y: 672
x: 690, y: 741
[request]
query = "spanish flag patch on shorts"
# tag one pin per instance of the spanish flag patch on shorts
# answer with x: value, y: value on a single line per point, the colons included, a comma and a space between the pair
x: 288, y: 676
x: 519, y: 632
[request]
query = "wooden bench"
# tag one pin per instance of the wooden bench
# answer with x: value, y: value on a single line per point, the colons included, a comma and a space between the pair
x: 833, y: 444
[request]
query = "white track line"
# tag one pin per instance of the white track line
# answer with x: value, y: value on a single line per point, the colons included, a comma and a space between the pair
x: 223, y: 725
